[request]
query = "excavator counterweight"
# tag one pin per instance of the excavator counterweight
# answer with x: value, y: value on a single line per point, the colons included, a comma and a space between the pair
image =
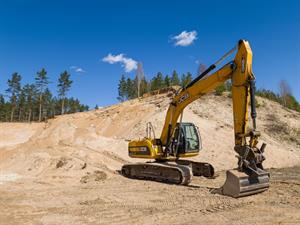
x: 182, y: 140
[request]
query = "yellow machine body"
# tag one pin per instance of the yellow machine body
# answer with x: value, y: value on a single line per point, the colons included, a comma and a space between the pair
x: 144, y: 148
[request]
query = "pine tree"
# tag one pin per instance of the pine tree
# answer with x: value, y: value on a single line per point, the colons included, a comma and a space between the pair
x: 2, y: 102
x: 186, y: 79
x: 42, y: 81
x: 14, y: 88
x: 21, y: 103
x: 122, y: 89
x: 83, y: 108
x: 135, y: 89
x: 2, y: 107
x: 153, y: 84
x: 144, y: 87
x: 30, y: 93
x: 183, y: 80
x: 48, y: 101
x: 167, y: 81
x: 175, y: 79
x: 157, y: 82
x: 64, y: 84
x: 130, y: 89
x: 75, y: 106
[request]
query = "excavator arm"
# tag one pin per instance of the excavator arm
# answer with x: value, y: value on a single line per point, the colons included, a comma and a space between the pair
x: 239, y: 71
x: 190, y: 94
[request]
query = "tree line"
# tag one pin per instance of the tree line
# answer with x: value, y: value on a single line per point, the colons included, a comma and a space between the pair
x: 127, y: 88
x: 284, y: 97
x: 35, y: 102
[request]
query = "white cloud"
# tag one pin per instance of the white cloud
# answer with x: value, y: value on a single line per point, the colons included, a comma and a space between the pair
x: 185, y: 38
x: 128, y: 63
x: 77, y: 69
x: 80, y: 70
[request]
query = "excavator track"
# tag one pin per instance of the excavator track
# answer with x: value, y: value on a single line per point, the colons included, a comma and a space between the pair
x: 163, y: 172
x: 199, y: 168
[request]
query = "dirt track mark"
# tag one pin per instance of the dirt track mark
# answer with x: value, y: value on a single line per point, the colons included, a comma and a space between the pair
x: 95, y: 176
x: 114, y: 157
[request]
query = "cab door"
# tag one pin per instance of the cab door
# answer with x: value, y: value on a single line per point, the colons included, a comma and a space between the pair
x: 186, y: 139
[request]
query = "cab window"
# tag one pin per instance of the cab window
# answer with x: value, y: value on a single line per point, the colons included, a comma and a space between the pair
x: 191, y: 136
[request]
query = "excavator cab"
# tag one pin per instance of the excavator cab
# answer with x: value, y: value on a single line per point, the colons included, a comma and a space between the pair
x: 186, y: 140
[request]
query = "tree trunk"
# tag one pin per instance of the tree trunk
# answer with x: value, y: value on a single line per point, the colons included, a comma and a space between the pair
x: 53, y: 112
x: 29, y: 115
x: 20, y: 114
x: 12, y: 114
x: 284, y: 100
x: 63, y: 106
x: 45, y: 114
x: 40, y: 109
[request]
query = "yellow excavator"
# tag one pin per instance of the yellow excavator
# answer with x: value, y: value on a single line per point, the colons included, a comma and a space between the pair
x: 181, y: 140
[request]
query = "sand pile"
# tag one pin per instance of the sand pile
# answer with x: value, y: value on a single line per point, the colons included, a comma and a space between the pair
x: 82, y: 143
x: 17, y: 133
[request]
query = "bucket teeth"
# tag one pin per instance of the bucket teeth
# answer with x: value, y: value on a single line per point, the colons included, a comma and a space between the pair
x: 239, y: 184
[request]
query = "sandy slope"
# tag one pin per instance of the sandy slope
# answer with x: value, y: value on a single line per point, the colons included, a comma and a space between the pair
x: 86, y: 137
x: 82, y: 153
x: 17, y: 133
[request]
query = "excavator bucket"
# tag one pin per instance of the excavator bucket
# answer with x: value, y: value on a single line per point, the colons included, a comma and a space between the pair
x: 239, y: 184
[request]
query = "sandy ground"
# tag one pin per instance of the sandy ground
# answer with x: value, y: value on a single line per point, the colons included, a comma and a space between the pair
x: 65, y: 171
x: 117, y: 200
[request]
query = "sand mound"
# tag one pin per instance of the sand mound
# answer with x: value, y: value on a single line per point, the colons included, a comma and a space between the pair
x: 77, y: 145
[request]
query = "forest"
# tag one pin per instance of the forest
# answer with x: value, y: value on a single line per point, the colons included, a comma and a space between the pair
x: 132, y: 88
x: 35, y: 102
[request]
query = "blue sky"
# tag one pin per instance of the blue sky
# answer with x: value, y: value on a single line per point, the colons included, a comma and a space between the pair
x: 68, y: 35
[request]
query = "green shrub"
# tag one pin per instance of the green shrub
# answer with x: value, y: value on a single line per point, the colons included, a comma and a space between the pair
x: 220, y: 89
